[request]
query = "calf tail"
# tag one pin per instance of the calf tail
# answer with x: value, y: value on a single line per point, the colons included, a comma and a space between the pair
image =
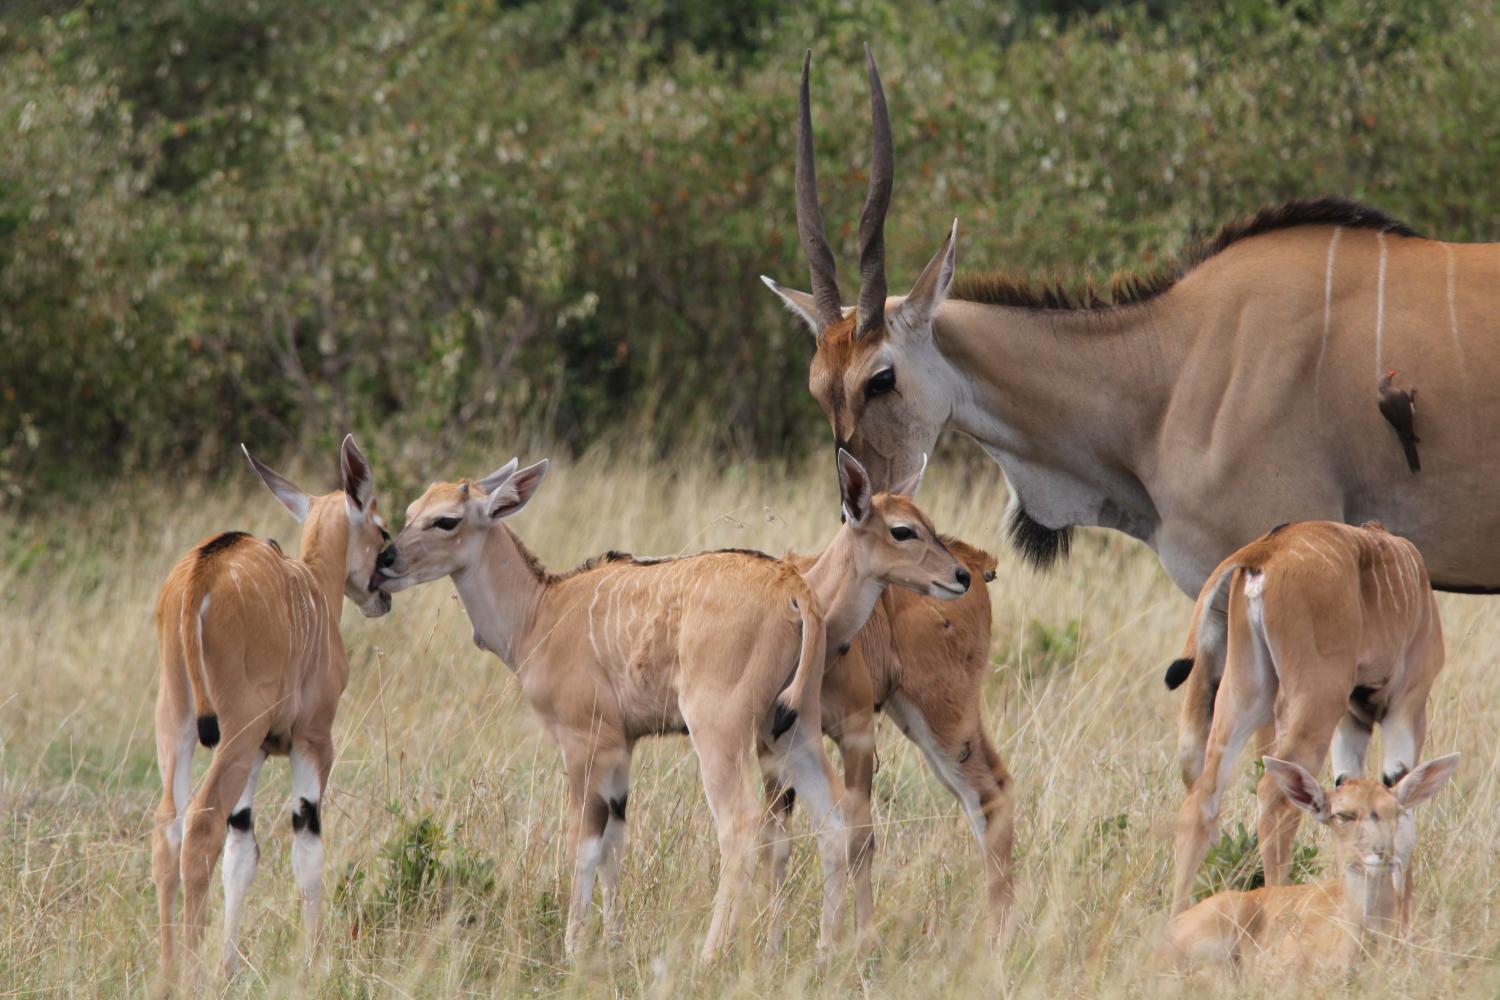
x: 807, y: 679
x: 194, y: 604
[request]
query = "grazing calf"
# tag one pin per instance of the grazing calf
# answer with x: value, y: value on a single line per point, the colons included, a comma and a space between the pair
x: 892, y: 646
x: 252, y: 664
x: 1332, y: 922
x: 623, y: 648
x: 1329, y: 629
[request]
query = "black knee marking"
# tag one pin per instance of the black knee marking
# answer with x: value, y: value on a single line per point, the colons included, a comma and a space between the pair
x: 788, y: 799
x: 208, y: 730
x: 241, y: 820
x: 1340, y: 780
x: 1178, y: 672
x: 1390, y: 780
x: 843, y: 648
x: 784, y: 720
x: 306, y: 818
x: 617, y: 806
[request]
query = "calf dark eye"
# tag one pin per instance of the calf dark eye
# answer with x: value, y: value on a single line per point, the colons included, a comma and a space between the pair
x: 385, y: 535
x: 1344, y: 817
x: 446, y: 523
x: 880, y: 383
x: 902, y: 533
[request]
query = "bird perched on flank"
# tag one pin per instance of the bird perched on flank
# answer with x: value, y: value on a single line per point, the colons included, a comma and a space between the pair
x: 1399, y: 407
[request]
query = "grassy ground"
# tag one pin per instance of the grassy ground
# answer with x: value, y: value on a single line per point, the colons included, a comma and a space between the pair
x: 469, y: 901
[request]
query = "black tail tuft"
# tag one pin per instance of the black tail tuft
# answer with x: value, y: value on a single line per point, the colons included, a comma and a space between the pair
x: 208, y: 730
x: 1178, y: 672
x: 784, y: 719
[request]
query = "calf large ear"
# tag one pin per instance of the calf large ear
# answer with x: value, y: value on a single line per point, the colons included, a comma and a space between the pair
x: 359, y: 481
x: 854, y: 488
x: 1423, y: 783
x: 500, y: 475
x: 288, y: 492
x: 515, y: 492
x: 1300, y: 787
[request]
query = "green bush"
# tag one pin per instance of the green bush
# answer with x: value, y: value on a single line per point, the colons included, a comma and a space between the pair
x: 272, y: 221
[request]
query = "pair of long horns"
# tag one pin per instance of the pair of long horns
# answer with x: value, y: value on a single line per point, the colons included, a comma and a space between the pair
x: 871, y: 312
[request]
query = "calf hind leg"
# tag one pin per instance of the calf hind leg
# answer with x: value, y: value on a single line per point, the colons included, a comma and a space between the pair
x: 311, y: 762
x: 241, y: 854
x: 1304, y: 740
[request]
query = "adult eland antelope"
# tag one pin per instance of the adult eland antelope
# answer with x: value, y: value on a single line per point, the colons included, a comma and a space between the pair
x: 1192, y: 408
x: 725, y: 646
x: 252, y: 665
x: 1331, y: 629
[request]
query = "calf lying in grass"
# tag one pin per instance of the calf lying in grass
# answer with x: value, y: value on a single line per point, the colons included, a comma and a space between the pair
x: 1331, y: 922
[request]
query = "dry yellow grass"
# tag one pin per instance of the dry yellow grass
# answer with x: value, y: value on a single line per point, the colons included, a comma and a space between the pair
x: 430, y: 725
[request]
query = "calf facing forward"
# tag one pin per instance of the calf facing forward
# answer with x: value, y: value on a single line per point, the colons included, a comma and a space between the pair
x: 1335, y: 921
x: 1329, y: 629
x: 252, y: 664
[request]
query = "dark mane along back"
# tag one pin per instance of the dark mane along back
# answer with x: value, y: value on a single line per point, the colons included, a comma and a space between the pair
x: 220, y: 543
x: 1000, y: 289
x: 615, y: 556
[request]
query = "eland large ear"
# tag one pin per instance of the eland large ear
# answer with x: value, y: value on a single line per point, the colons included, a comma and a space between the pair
x: 359, y: 481
x: 931, y: 288
x: 854, y: 488
x: 1423, y: 783
x: 1300, y: 787
x: 799, y: 304
x: 510, y: 496
x: 290, y: 495
x: 500, y: 475
x: 908, y: 487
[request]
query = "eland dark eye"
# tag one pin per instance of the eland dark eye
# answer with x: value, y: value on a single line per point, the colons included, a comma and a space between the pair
x: 902, y: 533
x: 447, y: 523
x: 881, y: 383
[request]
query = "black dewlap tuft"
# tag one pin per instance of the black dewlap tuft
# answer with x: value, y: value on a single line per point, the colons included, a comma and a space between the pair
x: 306, y: 818
x: 241, y: 820
x: 1390, y: 780
x: 1178, y: 672
x: 1038, y: 544
x: 208, y: 730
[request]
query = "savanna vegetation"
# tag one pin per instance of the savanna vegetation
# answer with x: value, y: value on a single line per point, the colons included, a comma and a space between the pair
x: 467, y: 230
x: 227, y: 220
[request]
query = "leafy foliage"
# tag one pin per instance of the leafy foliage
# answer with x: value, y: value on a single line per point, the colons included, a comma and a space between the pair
x: 1233, y: 863
x: 426, y: 873
x: 275, y: 222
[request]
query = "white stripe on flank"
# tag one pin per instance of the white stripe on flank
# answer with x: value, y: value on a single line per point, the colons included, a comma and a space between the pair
x: 1453, y: 311
x: 1380, y: 310
x: 1333, y: 246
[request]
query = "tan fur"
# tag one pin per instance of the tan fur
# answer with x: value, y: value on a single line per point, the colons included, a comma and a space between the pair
x: 265, y: 659
x: 1329, y: 629
x: 1334, y: 922
x: 623, y: 649
x: 924, y: 662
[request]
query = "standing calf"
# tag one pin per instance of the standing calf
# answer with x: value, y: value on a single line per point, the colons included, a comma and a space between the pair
x: 892, y: 647
x: 1329, y: 629
x: 623, y: 648
x: 1335, y: 921
x: 252, y: 664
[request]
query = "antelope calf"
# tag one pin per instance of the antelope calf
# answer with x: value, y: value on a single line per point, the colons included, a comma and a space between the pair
x: 252, y: 664
x: 623, y: 648
x: 1327, y: 630
x: 891, y: 647
x: 1331, y: 922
